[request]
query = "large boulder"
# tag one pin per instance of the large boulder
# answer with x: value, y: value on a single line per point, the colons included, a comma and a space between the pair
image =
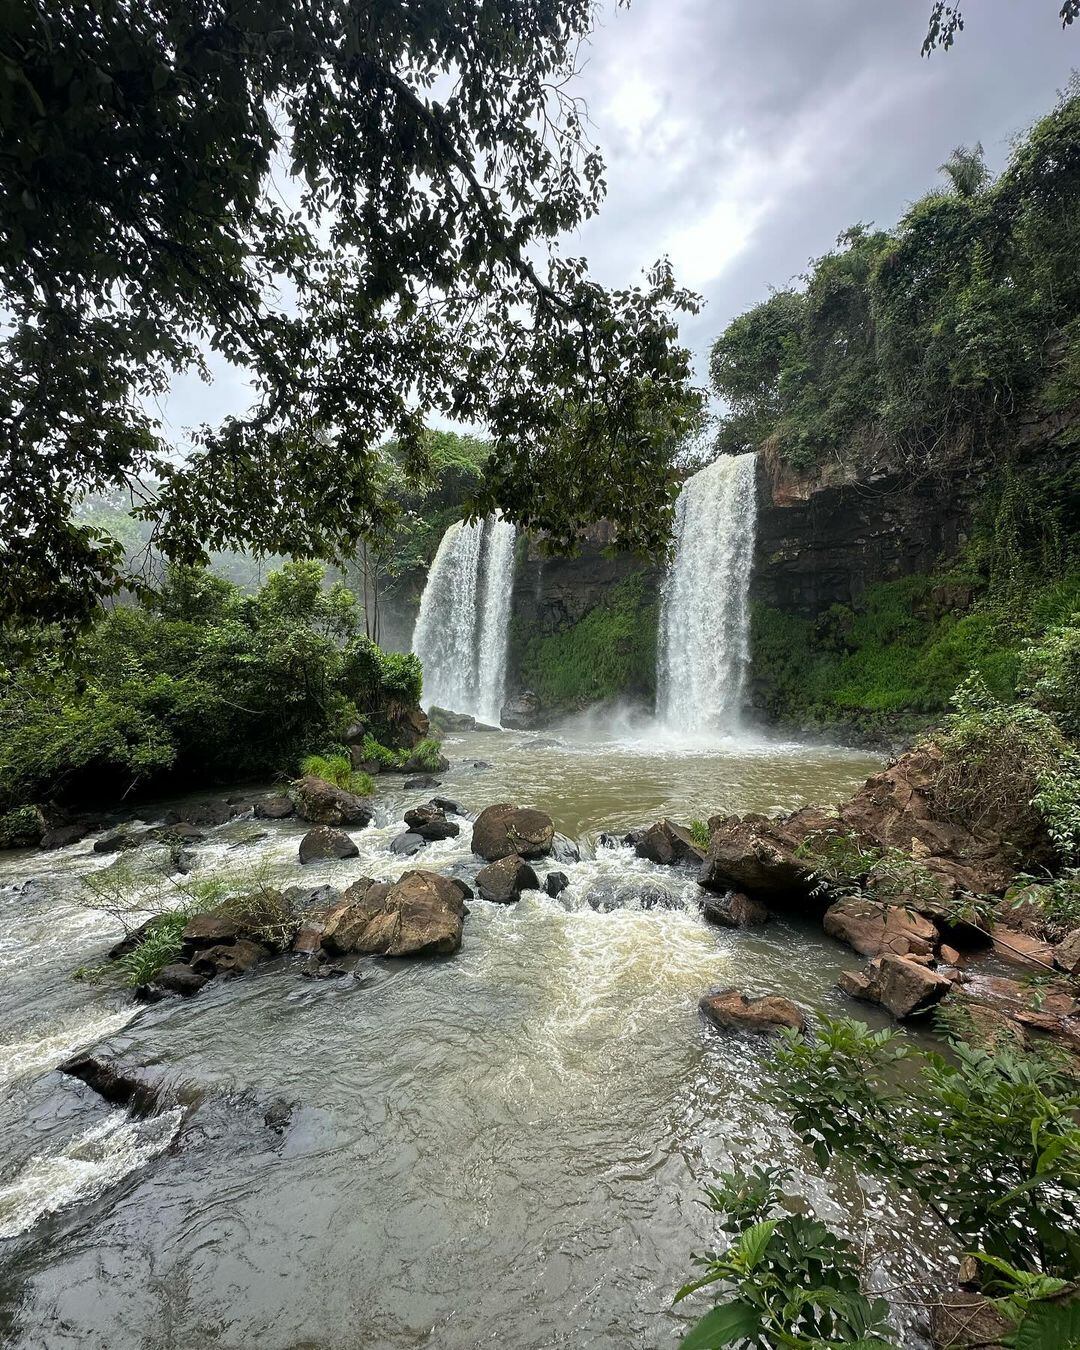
x: 234, y: 958
x: 759, y: 856
x: 522, y: 712
x: 179, y: 978
x: 278, y: 807
x: 871, y: 928
x: 502, y: 882
x: 63, y: 836
x: 1021, y: 949
x: 665, y: 842
x: 501, y: 830
x: 1067, y: 953
x: 407, y: 843
x: 430, y: 822
x: 422, y: 914
x: 735, y: 911
x: 322, y: 843
x: 208, y: 930
x: 734, y: 1010
x: 322, y: 803
x: 902, y: 987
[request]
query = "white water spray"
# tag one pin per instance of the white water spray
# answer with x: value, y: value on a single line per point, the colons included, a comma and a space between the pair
x: 705, y: 617
x: 462, y: 630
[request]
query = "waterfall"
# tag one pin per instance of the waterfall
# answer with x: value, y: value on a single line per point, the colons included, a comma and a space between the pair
x: 704, y: 624
x: 462, y: 629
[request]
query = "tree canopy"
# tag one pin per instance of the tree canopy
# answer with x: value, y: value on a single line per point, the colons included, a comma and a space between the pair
x: 930, y: 337
x: 947, y: 19
x: 359, y: 206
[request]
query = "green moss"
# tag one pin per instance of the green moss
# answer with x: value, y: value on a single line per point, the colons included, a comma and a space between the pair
x: 608, y: 653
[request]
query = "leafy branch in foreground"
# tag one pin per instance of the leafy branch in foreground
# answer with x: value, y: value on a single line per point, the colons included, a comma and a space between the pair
x: 793, y: 1282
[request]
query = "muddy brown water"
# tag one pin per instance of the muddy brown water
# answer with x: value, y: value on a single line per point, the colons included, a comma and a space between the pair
x: 505, y: 1148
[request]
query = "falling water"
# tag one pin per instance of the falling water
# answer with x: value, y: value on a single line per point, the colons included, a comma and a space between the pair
x: 463, y: 626
x: 704, y: 626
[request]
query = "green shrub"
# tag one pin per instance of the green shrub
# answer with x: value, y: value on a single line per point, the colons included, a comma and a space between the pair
x: 159, y: 948
x: 336, y: 769
x: 426, y: 755
x: 699, y: 833
x: 1050, y: 670
x: 20, y: 828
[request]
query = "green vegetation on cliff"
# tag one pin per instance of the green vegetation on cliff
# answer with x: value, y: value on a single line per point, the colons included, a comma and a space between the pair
x: 609, y: 653
x: 930, y: 338
x: 202, y: 685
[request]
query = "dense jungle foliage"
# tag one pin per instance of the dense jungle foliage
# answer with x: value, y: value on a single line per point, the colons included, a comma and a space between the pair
x: 927, y: 340
x: 204, y: 684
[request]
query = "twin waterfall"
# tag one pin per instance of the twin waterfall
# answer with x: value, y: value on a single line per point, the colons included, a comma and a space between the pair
x: 705, y: 615
x: 462, y: 629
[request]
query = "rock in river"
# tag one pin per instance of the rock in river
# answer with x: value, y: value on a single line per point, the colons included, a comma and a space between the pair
x: 735, y: 911
x: 665, y: 842
x: 275, y: 808
x: 422, y: 914
x: 323, y: 843
x: 505, y: 829
x: 407, y: 843
x: 900, y: 986
x: 503, y: 881
x: 871, y: 928
x: 732, y: 1010
x: 430, y: 822
x: 322, y: 803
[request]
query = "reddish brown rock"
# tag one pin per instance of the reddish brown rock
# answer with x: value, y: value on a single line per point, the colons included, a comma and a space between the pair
x: 422, y: 914
x: 1067, y: 953
x: 1022, y: 949
x: 871, y: 928
x: 758, y: 855
x: 900, y: 986
x: 949, y: 955
x: 322, y: 803
x: 733, y: 1010
x: 505, y: 829
x: 207, y: 930
x: 235, y: 959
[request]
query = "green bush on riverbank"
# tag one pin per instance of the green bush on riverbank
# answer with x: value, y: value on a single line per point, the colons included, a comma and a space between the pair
x: 203, y: 685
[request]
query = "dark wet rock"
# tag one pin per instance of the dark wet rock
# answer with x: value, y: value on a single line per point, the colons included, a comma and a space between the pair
x: 131, y: 940
x: 235, y: 958
x: 466, y: 890
x: 522, y: 712
x: 120, y: 839
x: 555, y: 883
x: 207, y: 930
x: 184, y: 861
x: 503, y: 882
x: 279, y: 807
x: 180, y: 978
x: 248, y: 838
x: 405, y: 845
x: 450, y: 806
x: 501, y: 830
x: 322, y: 803
x: 63, y: 836
x: 426, y: 780
x: 565, y: 850
x: 735, y: 910
x: 115, y: 1085
x: 477, y: 765
x: 422, y: 914
x: 961, y: 1319
x: 430, y: 823
x: 323, y: 970
x: 442, y: 719
x: 323, y: 843
x: 606, y: 840
x: 278, y: 1115
x: 182, y: 832
x: 899, y: 985
x: 667, y: 843
x: 205, y: 815
x: 734, y: 1010
x: 871, y: 928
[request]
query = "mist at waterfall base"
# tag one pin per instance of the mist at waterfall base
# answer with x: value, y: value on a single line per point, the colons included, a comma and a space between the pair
x: 462, y: 629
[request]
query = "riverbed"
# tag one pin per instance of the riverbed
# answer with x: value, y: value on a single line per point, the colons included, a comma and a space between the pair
x: 504, y: 1148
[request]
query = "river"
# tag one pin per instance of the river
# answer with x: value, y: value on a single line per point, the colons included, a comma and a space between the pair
x: 505, y: 1148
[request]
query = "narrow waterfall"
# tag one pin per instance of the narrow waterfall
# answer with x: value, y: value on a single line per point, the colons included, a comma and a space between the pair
x: 705, y: 616
x: 462, y: 629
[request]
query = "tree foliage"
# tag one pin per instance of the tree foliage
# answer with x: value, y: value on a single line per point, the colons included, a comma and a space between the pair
x: 947, y: 20
x: 358, y: 206
x: 205, y: 685
x: 928, y: 338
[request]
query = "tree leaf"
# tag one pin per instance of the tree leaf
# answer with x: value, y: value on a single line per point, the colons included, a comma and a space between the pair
x: 724, y: 1325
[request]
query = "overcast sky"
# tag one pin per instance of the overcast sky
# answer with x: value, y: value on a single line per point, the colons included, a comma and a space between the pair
x: 741, y: 136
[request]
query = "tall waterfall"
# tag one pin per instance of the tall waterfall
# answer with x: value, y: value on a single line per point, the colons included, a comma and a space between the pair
x: 462, y: 629
x: 704, y: 624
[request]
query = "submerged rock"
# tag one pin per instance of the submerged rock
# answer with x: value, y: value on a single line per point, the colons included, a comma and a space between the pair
x: 901, y: 986
x: 504, y: 881
x: 323, y: 843
x: 734, y: 1010
x: 426, y: 780
x: 667, y: 843
x: 115, y: 1085
x: 505, y: 829
x: 324, y: 804
x: 607, y: 894
x: 179, y: 978
x: 408, y: 843
x: 63, y: 836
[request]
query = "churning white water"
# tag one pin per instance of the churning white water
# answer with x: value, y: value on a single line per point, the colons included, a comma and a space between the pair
x: 462, y: 629
x: 704, y: 625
